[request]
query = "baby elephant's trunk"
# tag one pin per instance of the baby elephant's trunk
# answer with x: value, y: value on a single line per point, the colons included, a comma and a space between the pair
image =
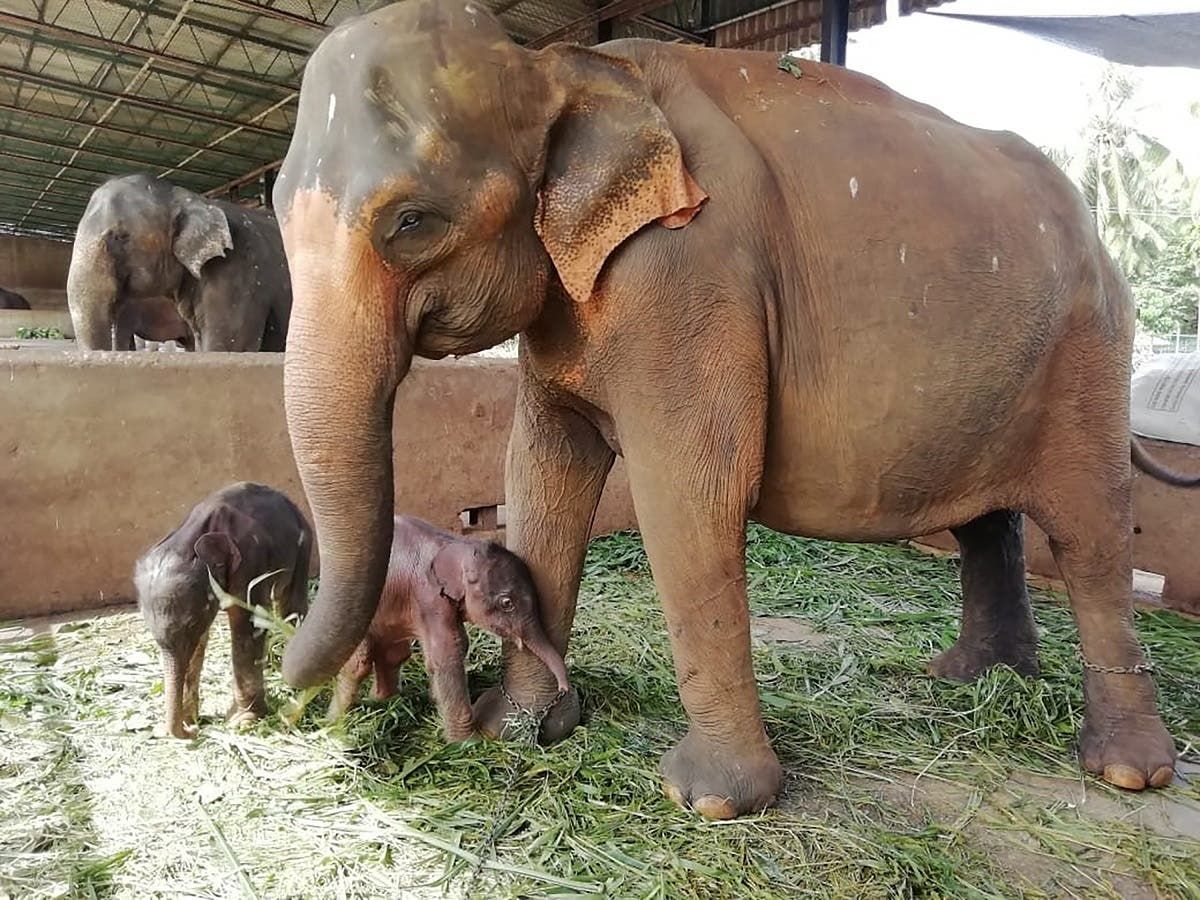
x: 174, y: 675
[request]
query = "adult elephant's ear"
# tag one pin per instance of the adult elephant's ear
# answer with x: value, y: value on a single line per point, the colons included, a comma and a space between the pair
x: 201, y: 231
x: 612, y: 166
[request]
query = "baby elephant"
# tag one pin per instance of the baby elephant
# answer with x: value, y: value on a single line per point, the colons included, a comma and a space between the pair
x: 435, y: 582
x: 240, y: 532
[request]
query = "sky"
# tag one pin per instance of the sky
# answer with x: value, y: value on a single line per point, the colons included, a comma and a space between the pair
x: 997, y: 78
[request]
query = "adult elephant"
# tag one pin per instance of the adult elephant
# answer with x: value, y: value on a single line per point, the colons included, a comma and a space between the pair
x: 807, y: 301
x: 221, y: 265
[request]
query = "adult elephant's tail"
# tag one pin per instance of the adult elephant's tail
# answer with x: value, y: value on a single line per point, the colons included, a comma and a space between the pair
x: 1143, y: 460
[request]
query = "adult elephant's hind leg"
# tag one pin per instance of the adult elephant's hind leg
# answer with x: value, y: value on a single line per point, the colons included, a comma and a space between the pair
x: 1087, y: 517
x: 997, y: 620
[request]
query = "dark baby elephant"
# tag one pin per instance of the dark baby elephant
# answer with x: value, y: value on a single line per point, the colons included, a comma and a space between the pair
x: 807, y: 301
x: 12, y: 300
x: 221, y: 265
x: 435, y: 582
x: 238, y: 533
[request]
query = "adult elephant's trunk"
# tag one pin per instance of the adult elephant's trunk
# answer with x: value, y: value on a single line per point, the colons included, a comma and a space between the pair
x: 346, y: 353
x: 91, y: 295
x: 539, y: 645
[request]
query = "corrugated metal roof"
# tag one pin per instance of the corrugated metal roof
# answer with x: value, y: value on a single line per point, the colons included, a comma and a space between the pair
x: 203, y: 92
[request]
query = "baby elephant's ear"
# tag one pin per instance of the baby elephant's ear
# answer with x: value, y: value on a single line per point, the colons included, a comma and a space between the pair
x: 448, y: 573
x: 218, y: 551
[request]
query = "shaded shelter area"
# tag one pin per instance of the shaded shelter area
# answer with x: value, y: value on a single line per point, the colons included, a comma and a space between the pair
x: 203, y: 92
x: 1167, y: 39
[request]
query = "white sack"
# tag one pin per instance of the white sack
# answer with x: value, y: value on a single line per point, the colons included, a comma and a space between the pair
x: 1165, y: 400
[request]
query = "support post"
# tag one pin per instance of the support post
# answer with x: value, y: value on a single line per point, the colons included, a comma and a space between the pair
x: 268, y: 187
x: 835, y: 26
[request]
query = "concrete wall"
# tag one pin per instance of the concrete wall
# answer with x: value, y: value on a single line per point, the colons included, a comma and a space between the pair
x: 13, y: 319
x: 101, y: 454
x: 37, y: 269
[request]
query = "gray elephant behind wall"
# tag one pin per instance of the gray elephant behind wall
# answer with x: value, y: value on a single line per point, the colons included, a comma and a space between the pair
x: 221, y: 265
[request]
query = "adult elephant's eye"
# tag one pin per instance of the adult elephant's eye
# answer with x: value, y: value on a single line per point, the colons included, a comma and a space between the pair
x: 406, y: 223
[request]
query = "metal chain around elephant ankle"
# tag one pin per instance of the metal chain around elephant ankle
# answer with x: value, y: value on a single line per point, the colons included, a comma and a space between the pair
x: 1142, y: 668
x: 525, y: 723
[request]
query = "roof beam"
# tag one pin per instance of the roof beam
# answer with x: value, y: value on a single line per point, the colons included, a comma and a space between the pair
x: 102, y: 152
x: 615, y: 10
x: 17, y: 186
x: 22, y: 173
x: 134, y: 100
x: 32, y: 29
x: 670, y: 31
x: 117, y: 129
x: 42, y: 216
x: 252, y: 175
x: 282, y: 15
x: 139, y: 6
x: 58, y: 164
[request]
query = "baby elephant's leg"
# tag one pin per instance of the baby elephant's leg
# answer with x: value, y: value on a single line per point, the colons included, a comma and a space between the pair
x: 345, y: 691
x: 445, y: 661
x: 191, y: 682
x: 249, y: 694
x: 387, y: 671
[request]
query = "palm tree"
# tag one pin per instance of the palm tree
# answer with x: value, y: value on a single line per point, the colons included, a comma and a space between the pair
x: 1131, y: 181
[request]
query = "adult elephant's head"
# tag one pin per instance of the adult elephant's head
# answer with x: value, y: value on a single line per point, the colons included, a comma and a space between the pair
x: 440, y: 181
x: 137, y: 238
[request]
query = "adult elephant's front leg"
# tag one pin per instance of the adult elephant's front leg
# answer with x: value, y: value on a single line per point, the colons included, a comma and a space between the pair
x: 693, y: 486
x: 556, y: 468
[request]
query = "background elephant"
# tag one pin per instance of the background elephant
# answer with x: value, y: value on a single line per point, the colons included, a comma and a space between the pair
x: 803, y: 300
x: 221, y: 265
x: 12, y: 300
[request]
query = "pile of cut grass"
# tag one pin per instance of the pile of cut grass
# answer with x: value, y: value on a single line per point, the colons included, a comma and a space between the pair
x: 898, y: 785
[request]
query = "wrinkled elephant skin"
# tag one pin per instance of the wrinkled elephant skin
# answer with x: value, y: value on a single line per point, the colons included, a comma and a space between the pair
x: 806, y: 301
x: 237, y: 534
x: 156, y: 262
x: 436, y: 581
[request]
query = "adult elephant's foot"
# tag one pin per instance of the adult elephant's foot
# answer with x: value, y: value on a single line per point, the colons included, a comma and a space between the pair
x: 495, y: 715
x: 721, y: 782
x: 968, y: 659
x: 1128, y: 748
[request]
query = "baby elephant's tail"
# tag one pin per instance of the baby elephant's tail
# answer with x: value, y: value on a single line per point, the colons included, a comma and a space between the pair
x: 1143, y: 460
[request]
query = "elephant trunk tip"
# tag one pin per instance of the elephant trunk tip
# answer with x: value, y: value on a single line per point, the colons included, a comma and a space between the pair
x: 543, y: 650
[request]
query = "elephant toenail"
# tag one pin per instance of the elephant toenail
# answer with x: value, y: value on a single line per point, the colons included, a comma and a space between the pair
x: 713, y: 807
x: 1162, y: 776
x: 1125, y: 777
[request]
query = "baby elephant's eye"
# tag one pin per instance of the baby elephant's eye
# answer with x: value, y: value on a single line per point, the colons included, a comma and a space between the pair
x: 506, y: 602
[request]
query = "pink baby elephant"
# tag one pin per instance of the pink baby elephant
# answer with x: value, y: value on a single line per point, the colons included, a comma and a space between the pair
x: 435, y: 582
